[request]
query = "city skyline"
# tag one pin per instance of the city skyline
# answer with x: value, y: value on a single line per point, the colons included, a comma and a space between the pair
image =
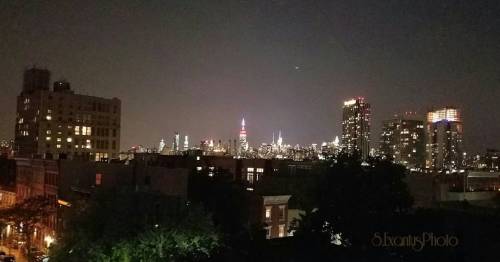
x: 353, y: 118
x: 288, y: 71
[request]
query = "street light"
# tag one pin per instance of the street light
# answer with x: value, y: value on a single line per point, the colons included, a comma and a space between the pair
x: 49, y: 240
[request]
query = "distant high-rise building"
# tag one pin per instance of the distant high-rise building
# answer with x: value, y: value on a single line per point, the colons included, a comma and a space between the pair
x: 186, y: 143
x: 280, y: 140
x: 444, y: 139
x: 58, y: 123
x: 403, y: 140
x: 161, y: 146
x: 234, y: 148
x: 243, y: 146
x: 356, y: 127
x: 175, y: 144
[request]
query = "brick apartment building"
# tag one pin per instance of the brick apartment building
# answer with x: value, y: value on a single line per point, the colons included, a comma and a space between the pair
x: 57, y: 123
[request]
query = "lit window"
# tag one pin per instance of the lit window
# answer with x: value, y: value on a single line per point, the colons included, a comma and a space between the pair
x: 197, y: 158
x: 260, y: 170
x: 58, y: 139
x: 58, y: 146
x: 98, y: 179
x: 88, y: 144
x: 198, y: 168
x: 49, y: 132
x: 268, y: 212
x: 250, y: 169
x: 48, y: 138
x: 21, y: 120
x: 77, y: 130
x: 48, y: 117
x: 86, y: 130
x: 76, y: 146
x: 281, y: 232
x: 250, y: 178
x: 69, y: 139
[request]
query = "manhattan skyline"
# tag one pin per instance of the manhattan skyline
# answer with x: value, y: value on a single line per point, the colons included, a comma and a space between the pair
x: 198, y: 68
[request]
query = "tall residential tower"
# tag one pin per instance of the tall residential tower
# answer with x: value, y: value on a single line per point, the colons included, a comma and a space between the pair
x: 444, y: 139
x: 356, y: 127
x: 403, y: 140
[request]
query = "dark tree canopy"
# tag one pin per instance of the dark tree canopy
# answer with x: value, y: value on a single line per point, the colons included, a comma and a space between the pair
x: 136, y: 226
x: 354, y: 200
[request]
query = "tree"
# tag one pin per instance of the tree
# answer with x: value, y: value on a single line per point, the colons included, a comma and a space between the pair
x: 354, y: 201
x: 136, y: 226
x: 230, y: 205
x: 27, y: 215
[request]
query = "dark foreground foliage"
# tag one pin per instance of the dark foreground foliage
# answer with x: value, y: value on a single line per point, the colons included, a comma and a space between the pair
x: 124, y: 226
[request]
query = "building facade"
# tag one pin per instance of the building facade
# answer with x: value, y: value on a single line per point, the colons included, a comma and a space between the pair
x: 356, y: 127
x: 58, y: 123
x: 403, y: 140
x: 64, y: 182
x: 275, y: 215
x: 444, y: 146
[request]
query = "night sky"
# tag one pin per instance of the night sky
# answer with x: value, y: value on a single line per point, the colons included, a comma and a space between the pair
x: 197, y: 67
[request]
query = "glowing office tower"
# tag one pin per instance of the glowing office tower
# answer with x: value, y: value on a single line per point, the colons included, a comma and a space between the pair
x: 161, y: 145
x: 280, y: 140
x: 175, y: 145
x: 356, y: 127
x: 186, y: 143
x: 336, y: 142
x: 444, y: 139
x: 243, y: 146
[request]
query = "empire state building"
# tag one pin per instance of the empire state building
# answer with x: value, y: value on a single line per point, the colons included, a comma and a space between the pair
x: 243, y: 146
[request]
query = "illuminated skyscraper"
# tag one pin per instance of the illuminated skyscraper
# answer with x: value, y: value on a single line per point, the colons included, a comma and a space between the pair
x: 186, y: 143
x: 403, y: 140
x: 356, y: 127
x: 161, y: 145
x: 175, y: 144
x: 280, y: 140
x: 243, y: 146
x: 444, y: 139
